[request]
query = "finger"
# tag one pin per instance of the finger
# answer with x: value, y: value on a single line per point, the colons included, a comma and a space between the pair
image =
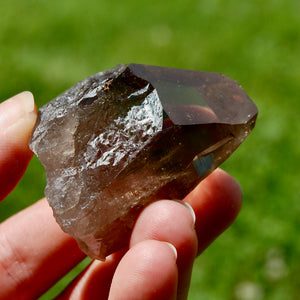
x: 94, y: 282
x: 216, y: 201
x: 17, y: 118
x: 147, y: 271
x: 173, y: 222
x: 34, y: 253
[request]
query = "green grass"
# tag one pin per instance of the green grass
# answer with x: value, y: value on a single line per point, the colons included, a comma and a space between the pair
x: 47, y: 46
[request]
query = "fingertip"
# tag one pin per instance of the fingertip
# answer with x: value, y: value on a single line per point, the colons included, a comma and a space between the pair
x: 17, y: 118
x: 169, y: 221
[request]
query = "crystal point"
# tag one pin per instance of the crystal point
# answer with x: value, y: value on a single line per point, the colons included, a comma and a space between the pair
x: 122, y: 138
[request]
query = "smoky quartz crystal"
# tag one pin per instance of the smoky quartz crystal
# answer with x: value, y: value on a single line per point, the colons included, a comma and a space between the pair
x: 122, y: 138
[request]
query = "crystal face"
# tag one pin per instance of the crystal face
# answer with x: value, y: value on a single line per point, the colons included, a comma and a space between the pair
x: 125, y: 137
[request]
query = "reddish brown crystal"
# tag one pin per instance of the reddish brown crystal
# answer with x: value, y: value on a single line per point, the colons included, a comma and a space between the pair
x: 128, y: 136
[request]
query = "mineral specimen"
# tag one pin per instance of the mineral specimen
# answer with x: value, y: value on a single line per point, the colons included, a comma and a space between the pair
x: 125, y: 137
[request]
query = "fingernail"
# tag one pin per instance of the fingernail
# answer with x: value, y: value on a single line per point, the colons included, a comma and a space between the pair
x: 15, y: 109
x: 187, y: 205
x: 173, y: 248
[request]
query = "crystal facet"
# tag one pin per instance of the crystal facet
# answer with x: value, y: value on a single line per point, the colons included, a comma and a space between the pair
x: 125, y: 137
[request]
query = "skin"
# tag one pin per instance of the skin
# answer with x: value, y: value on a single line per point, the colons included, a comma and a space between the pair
x: 168, y: 235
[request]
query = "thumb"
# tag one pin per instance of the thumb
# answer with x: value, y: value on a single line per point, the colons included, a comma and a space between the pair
x: 17, y: 118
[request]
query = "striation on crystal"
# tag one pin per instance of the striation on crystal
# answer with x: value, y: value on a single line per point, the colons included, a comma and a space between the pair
x: 131, y: 135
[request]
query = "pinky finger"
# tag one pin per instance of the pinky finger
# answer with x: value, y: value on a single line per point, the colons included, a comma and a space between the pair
x: 147, y: 271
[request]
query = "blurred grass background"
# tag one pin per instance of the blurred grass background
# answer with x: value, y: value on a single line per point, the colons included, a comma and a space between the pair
x: 47, y: 46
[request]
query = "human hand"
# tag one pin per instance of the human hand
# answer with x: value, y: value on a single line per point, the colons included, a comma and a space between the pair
x: 35, y: 253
